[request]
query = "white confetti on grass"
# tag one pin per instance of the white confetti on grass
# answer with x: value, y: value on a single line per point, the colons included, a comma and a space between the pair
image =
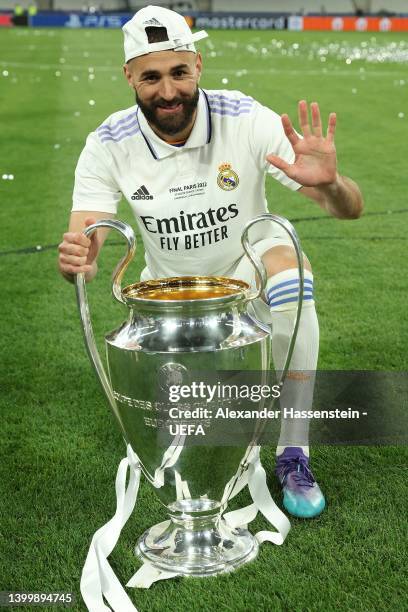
x: 401, y: 115
x: 91, y: 103
x: 224, y: 80
x: 5, y: 73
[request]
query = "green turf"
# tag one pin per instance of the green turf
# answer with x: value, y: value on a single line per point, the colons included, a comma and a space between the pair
x: 60, y: 447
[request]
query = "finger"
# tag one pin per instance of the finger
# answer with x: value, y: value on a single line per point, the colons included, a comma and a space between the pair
x: 316, y: 119
x: 331, y: 127
x: 303, y: 118
x: 90, y: 221
x: 72, y: 260
x: 279, y: 163
x: 77, y: 238
x: 289, y: 130
x: 69, y: 248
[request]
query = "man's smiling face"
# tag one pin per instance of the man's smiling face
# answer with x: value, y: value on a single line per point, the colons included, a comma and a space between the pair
x: 166, y: 86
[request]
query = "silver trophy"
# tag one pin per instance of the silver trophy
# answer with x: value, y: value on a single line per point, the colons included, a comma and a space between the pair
x: 176, y: 326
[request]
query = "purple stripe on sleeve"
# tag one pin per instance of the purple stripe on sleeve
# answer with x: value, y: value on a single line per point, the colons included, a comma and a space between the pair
x: 218, y: 111
x: 212, y: 97
x: 224, y: 106
x: 118, y: 137
x: 118, y: 124
x: 124, y: 128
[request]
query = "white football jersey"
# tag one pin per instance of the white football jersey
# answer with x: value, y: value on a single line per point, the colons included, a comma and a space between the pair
x: 191, y: 202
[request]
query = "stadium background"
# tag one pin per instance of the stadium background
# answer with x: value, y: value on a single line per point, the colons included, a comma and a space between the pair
x: 59, y: 446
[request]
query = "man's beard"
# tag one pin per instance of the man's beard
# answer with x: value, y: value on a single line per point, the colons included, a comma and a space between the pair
x: 173, y: 124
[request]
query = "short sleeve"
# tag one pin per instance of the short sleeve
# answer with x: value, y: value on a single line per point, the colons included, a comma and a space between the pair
x: 267, y: 136
x: 95, y: 187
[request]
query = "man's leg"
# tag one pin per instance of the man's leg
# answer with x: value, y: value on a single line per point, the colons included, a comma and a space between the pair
x: 302, y: 495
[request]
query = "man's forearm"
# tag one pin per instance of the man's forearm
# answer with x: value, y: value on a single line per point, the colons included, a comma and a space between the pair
x: 341, y: 199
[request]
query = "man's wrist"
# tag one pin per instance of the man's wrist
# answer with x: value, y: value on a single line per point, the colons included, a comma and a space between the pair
x: 331, y: 190
x: 342, y: 198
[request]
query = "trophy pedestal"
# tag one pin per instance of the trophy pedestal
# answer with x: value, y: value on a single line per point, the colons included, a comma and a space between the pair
x: 196, y: 545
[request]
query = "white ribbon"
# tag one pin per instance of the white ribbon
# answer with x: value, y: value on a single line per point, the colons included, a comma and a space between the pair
x: 147, y: 574
x: 98, y: 579
x: 264, y: 503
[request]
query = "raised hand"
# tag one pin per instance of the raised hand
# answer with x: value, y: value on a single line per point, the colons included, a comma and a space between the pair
x: 315, y: 155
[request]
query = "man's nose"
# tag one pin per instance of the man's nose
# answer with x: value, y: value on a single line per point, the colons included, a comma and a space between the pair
x: 167, y: 89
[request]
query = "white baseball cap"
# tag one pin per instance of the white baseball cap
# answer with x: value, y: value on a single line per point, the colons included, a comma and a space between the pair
x: 180, y: 37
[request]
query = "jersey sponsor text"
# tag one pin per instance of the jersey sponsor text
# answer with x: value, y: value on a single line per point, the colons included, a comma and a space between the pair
x: 187, y: 222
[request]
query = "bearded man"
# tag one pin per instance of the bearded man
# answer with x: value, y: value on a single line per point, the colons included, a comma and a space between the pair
x: 192, y: 164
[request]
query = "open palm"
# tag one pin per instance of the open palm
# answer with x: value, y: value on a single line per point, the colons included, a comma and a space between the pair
x: 315, y: 155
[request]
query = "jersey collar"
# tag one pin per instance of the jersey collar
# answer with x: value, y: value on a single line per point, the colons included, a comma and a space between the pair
x: 200, y: 134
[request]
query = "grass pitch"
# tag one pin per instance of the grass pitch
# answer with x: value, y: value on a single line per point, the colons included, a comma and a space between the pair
x: 60, y: 447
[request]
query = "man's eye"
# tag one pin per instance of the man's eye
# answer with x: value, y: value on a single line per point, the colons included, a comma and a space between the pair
x: 179, y: 73
x: 151, y: 79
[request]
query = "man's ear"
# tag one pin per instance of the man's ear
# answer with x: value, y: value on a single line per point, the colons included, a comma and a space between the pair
x: 128, y: 75
x: 199, y: 65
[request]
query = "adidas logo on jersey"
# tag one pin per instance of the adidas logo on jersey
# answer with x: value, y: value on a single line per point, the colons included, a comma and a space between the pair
x: 142, y: 194
x: 152, y: 22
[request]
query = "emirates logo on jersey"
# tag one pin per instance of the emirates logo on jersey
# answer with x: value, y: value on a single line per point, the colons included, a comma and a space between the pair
x: 227, y: 178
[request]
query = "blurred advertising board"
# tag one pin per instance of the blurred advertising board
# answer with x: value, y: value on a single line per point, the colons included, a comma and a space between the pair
x: 341, y: 23
x: 80, y: 20
x: 6, y: 20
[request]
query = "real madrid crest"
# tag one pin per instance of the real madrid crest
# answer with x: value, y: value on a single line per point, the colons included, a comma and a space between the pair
x: 227, y: 178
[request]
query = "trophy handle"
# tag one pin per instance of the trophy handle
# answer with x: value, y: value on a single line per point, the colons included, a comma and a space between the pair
x: 83, y: 305
x: 262, y: 276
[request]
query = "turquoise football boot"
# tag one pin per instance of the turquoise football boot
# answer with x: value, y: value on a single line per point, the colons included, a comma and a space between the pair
x: 302, y: 496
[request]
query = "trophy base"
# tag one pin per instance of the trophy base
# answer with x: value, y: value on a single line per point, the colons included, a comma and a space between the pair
x: 197, y: 546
